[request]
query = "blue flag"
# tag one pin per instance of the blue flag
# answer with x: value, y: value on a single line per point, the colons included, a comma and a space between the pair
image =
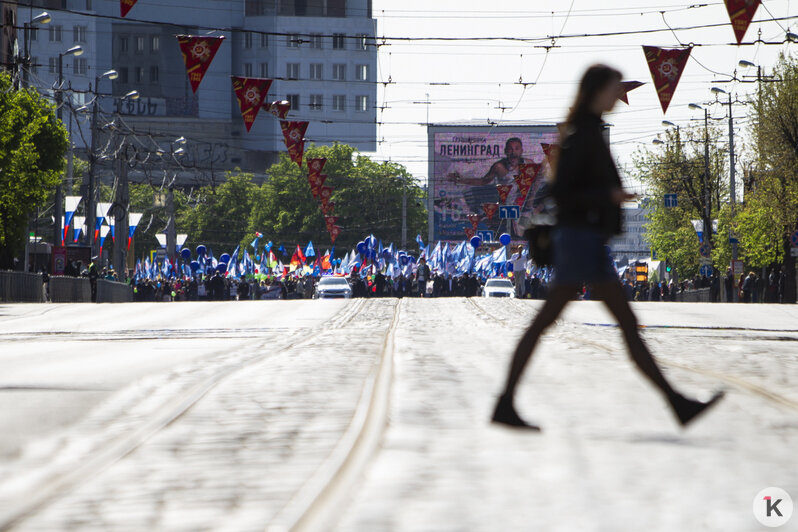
x: 309, y: 251
x: 420, y: 242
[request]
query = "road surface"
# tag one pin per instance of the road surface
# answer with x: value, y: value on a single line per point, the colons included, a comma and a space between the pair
x: 371, y: 415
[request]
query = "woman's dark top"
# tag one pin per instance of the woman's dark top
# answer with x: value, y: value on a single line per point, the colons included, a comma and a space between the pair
x: 585, y: 178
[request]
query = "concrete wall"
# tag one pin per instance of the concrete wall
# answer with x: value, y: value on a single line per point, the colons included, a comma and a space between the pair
x: 19, y: 287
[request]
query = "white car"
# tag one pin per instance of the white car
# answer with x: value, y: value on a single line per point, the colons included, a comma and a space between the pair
x: 498, y: 288
x: 332, y: 287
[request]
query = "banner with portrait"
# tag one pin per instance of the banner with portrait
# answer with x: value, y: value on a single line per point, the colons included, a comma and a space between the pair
x: 474, y: 166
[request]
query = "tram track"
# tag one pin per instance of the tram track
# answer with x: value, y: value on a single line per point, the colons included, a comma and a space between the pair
x: 317, y: 504
x: 729, y: 379
x: 51, y: 487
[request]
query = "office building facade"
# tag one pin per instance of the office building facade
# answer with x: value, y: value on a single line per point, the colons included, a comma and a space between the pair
x: 321, y: 55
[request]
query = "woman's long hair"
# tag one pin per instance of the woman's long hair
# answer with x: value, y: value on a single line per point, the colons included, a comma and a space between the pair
x: 595, y: 79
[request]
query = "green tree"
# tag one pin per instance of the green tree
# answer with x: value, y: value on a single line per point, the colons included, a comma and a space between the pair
x: 218, y: 216
x: 770, y: 213
x: 367, y: 197
x: 32, y: 147
x: 678, y: 167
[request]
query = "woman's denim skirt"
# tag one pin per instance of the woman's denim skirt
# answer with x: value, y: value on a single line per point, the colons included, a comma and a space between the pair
x: 581, y: 255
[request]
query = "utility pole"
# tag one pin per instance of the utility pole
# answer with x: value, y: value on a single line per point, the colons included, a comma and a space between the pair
x: 59, y: 200
x: 90, y: 209
x: 404, y: 212
x: 732, y: 181
x: 171, y: 232
x: 120, y: 223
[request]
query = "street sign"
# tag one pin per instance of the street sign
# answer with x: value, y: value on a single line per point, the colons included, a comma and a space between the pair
x: 671, y: 200
x: 485, y: 236
x: 704, y: 260
x: 794, y: 239
x: 705, y: 269
x: 793, y: 252
x: 509, y: 212
x: 704, y: 250
x: 737, y: 269
x: 733, y: 240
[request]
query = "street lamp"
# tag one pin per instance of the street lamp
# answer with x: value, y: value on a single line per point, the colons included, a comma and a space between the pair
x: 132, y: 95
x: 732, y: 182
x: 707, y: 220
x: 59, y: 95
x: 42, y: 18
x: 91, y: 215
x: 657, y: 142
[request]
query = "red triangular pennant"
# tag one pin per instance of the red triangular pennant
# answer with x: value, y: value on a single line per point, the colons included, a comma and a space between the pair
x: 666, y: 66
x: 198, y: 52
x: 548, y: 150
x: 490, y: 209
x: 324, y: 194
x: 741, y: 12
x: 474, y: 219
x: 316, y: 165
x: 470, y: 232
x: 125, y: 6
x: 279, y: 108
x: 250, y: 93
x: 334, y: 232
x: 626, y: 87
x: 504, y: 191
x: 328, y: 208
x: 294, y: 133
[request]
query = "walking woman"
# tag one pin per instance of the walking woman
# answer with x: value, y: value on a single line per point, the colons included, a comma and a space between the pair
x: 588, y: 193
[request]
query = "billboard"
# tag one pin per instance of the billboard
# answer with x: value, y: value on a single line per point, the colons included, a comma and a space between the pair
x: 472, y: 167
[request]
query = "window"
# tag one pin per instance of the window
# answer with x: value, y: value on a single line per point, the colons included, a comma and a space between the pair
x: 88, y: 5
x: 33, y: 33
x: 336, y: 8
x: 139, y: 74
x: 248, y: 70
x: 293, y: 99
x: 292, y: 40
x: 123, y: 45
x: 339, y: 102
x: 34, y: 64
x: 264, y: 70
x: 292, y: 70
x: 155, y: 43
x: 316, y: 70
x: 139, y: 44
x: 79, y: 33
x: 79, y: 66
x: 316, y: 40
x: 55, y: 33
x: 264, y: 40
x: 362, y: 42
x: 154, y: 74
x: 247, y: 39
x: 339, y: 72
x: 362, y: 72
x: 362, y: 103
x: 338, y: 41
x: 315, y: 102
x: 123, y: 75
x: 52, y: 65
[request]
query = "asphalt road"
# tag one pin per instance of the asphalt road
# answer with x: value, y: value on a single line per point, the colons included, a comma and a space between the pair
x: 94, y: 398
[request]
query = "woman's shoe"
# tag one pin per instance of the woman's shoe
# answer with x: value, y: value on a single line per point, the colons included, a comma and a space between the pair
x: 505, y: 414
x: 687, y: 410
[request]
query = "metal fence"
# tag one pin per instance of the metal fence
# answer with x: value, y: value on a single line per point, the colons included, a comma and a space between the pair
x: 113, y: 292
x: 694, y: 296
x: 21, y: 287
x: 69, y: 289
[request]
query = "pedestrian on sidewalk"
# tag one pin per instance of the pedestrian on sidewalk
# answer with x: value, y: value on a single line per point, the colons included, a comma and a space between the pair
x: 589, y: 194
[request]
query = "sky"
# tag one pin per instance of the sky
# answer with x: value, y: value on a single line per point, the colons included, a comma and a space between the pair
x: 478, y: 79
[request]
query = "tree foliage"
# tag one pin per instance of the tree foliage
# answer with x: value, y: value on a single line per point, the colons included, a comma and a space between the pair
x: 367, y: 197
x: 677, y: 167
x: 770, y: 214
x: 32, y: 148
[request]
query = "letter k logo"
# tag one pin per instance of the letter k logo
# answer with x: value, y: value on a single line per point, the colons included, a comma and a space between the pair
x: 772, y: 506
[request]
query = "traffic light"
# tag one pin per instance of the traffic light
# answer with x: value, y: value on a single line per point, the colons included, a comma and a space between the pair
x: 668, y: 266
